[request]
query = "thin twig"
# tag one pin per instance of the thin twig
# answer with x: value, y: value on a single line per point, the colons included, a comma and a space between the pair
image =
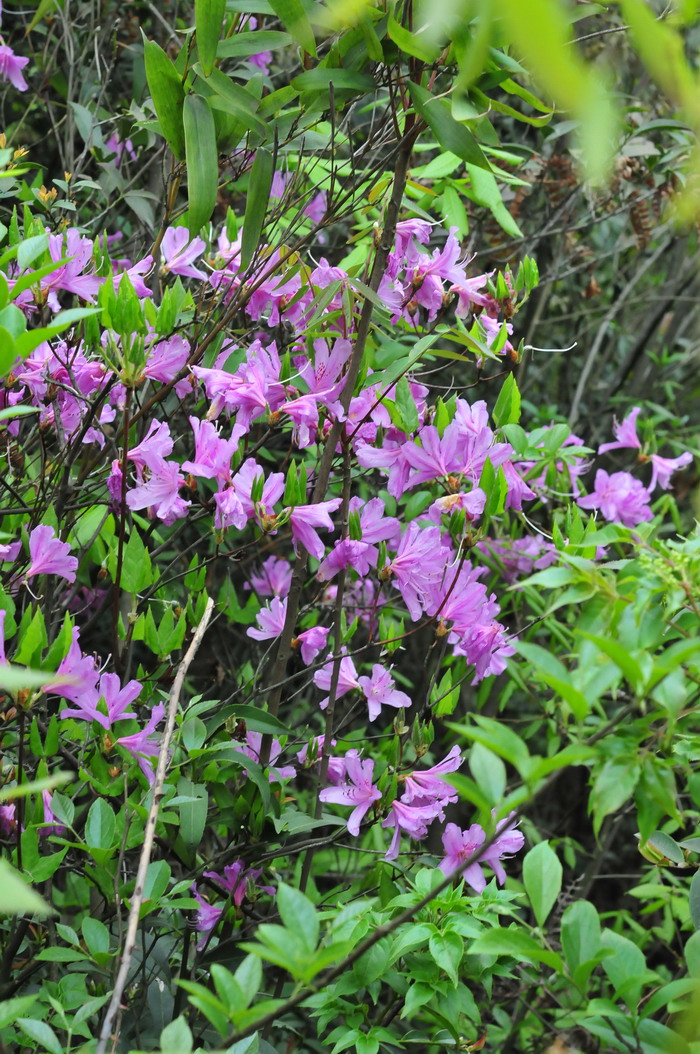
x: 149, y: 833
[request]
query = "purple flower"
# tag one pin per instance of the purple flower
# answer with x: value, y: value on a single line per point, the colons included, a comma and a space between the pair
x: 312, y: 642
x: 305, y: 519
x: 11, y: 67
x: 179, y: 253
x: 336, y: 766
x: 347, y: 679
x: 251, y: 748
x: 625, y: 433
x: 379, y: 691
x: 460, y: 845
x: 273, y: 579
x: 49, y: 555
x: 413, y: 819
x: 237, y: 879
x: 418, y: 565
x: 429, y: 785
x: 359, y: 792
x: 620, y: 497
x: 347, y: 553
x: 212, y: 457
x: 81, y: 689
x: 207, y: 917
x: 49, y: 818
x: 160, y: 493
x: 117, y: 701
x: 473, y: 504
x: 144, y: 745
x: 664, y: 467
x: 270, y: 620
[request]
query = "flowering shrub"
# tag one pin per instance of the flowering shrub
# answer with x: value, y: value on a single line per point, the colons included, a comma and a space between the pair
x: 261, y: 539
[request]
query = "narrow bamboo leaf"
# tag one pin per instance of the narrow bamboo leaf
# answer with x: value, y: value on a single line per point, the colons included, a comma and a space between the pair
x: 235, y: 100
x: 342, y: 80
x: 168, y: 95
x: 412, y: 43
x: 256, y: 203
x: 208, y: 16
x: 202, y: 161
x: 252, y: 43
x: 450, y: 134
x: 294, y: 18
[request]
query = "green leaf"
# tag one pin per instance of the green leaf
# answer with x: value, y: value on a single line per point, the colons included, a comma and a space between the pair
x: 427, y: 50
x: 513, y: 942
x: 136, y: 574
x: 488, y: 771
x: 208, y: 16
x: 321, y: 77
x: 507, y: 408
x: 260, y: 720
x: 165, y: 86
x: 694, y: 901
x: 16, y: 897
x: 293, y: 17
x: 498, y: 737
x: 15, y: 678
x: 256, y: 204
x: 450, y: 134
x: 100, y: 825
x: 299, y: 915
x: 202, y: 162
x: 580, y: 933
x: 542, y: 877
x: 176, y: 1038
x: 626, y: 968
x: 252, y: 43
x: 193, y: 814
x: 406, y: 405
x: 447, y: 950
x: 484, y: 190
x: 41, y: 1032
x: 11, y: 1009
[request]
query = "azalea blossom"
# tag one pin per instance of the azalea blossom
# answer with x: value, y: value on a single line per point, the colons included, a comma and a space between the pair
x: 625, y: 433
x: 413, y: 819
x: 270, y: 620
x: 379, y: 690
x: 358, y: 791
x: 179, y: 253
x: 620, y: 497
x: 429, y: 785
x: 11, y: 67
x: 49, y: 555
x: 664, y: 467
x: 460, y: 845
x: 347, y: 679
x: 144, y: 745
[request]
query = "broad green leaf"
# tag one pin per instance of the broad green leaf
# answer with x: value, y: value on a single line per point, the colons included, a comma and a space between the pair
x: 612, y: 787
x: 256, y: 204
x: 580, y: 933
x: 488, y: 771
x: 176, y: 1038
x: 42, y: 1033
x: 298, y: 914
x: 11, y: 1009
x: 514, y: 942
x: 100, y: 825
x: 16, y: 897
x: 165, y: 86
x: 447, y: 950
x: 625, y: 969
x: 208, y: 16
x: 484, y: 190
x: 259, y: 720
x: 542, y: 876
x: 202, y: 162
x: 450, y: 134
x: 507, y: 408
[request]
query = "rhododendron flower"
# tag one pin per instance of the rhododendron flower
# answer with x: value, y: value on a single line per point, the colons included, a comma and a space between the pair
x: 336, y: 772
x: 625, y: 433
x: 9, y: 552
x: 460, y: 845
x: 347, y: 679
x: 160, y: 493
x: 237, y: 879
x: 251, y: 748
x: 207, y: 917
x: 49, y: 555
x: 418, y: 564
x: 306, y: 519
x: 379, y: 691
x: 212, y: 457
x: 8, y: 819
x: 49, y: 818
x: 413, y: 819
x: 358, y: 792
x: 144, y: 745
x: 428, y: 785
x: 664, y: 467
x: 312, y: 642
x: 620, y: 497
x: 473, y: 504
x: 82, y: 674
x: 154, y: 448
x: 179, y: 253
x: 11, y: 67
x: 270, y: 620
x: 273, y: 579
x: 116, y: 698
x: 348, y: 553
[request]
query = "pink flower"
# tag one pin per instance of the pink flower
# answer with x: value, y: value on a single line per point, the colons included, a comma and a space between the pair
x: 156, y: 445
x: 212, y: 457
x: 166, y: 359
x: 11, y: 67
x: 251, y: 748
x: 179, y: 253
x: 160, y: 493
x: 379, y: 691
x: 305, y: 519
x: 460, y: 845
x: 347, y: 679
x: 625, y: 433
x: 508, y: 841
x: 664, y: 467
x: 429, y: 785
x: 273, y: 579
x: 359, y: 792
x: 418, y: 565
x: 473, y: 504
x: 144, y: 745
x: 83, y: 674
x: 49, y: 817
x: 117, y: 701
x: 413, y: 819
x: 49, y: 555
x: 347, y: 553
x: 312, y: 642
x: 336, y: 766
x: 620, y: 497
x: 237, y: 879
x: 207, y: 917
x: 270, y: 620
